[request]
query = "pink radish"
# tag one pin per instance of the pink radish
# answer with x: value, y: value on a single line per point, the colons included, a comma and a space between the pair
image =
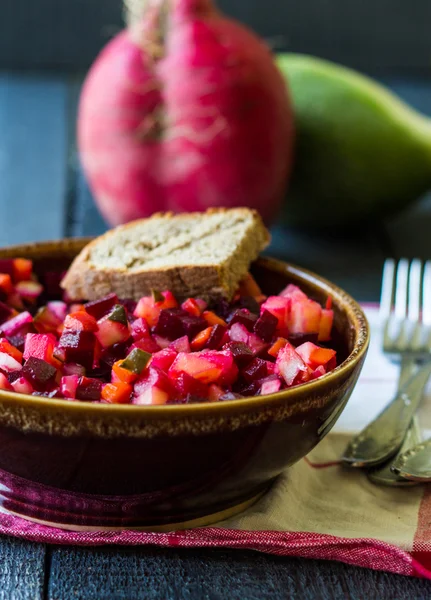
x: 185, y: 111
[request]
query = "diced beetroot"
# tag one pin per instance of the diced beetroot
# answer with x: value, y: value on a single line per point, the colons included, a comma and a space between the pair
x: 51, y: 283
x: 15, y: 301
x: 22, y: 386
x: 291, y: 366
x: 110, y: 355
x: 140, y: 329
x: 89, y: 389
x: 245, y: 317
x: 294, y: 292
x: 314, y: 356
x: 241, y: 353
x: 304, y: 317
x: 208, y: 366
x: 256, y: 344
x: 79, y: 347
x: 257, y: 369
x: 280, y: 308
x: 217, y: 337
x: 270, y: 386
x: 99, y: 308
x: 29, y: 290
x: 5, y: 384
x: 265, y: 326
x: 8, y: 363
x: 39, y: 373
x: 16, y: 324
x: 245, y: 388
x: 175, y: 322
x: 6, y: 312
x: 296, y: 339
x: 69, y: 385
x: 164, y: 358
x: 41, y: 345
x: 187, y: 385
x: 239, y: 333
x: 251, y: 303
x: 326, y: 322
x: 318, y: 372
x: 153, y: 388
x: 148, y: 345
x: 59, y: 308
x: 73, y: 369
x: 111, y: 332
x: 80, y: 321
x: 7, y: 266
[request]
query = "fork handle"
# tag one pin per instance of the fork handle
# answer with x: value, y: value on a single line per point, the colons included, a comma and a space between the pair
x: 415, y: 463
x: 383, y: 437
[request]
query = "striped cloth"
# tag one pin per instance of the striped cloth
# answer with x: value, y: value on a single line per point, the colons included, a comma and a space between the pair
x: 316, y: 509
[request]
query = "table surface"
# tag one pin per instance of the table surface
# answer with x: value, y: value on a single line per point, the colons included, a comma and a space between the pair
x: 43, y: 195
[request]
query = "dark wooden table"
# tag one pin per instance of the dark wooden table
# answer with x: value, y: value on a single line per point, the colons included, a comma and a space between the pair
x: 43, y: 195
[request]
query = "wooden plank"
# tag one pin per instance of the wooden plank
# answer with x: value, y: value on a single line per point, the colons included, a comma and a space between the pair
x: 151, y: 574
x: 22, y: 572
x: 389, y: 34
x: 33, y: 156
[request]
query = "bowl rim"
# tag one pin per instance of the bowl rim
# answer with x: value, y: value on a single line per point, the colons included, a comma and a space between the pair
x: 356, y: 317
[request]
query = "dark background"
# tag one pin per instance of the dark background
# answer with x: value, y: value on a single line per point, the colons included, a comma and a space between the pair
x: 385, y: 36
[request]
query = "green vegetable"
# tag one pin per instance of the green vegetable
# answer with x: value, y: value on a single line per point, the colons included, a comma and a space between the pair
x: 136, y: 361
x: 118, y: 314
x: 360, y: 151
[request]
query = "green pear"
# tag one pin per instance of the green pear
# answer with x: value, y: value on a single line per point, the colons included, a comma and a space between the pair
x: 361, y: 152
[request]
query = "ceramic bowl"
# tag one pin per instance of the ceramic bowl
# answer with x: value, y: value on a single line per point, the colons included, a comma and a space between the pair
x: 79, y: 465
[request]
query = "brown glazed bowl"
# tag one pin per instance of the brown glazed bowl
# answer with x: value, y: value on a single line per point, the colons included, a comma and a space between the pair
x: 79, y: 465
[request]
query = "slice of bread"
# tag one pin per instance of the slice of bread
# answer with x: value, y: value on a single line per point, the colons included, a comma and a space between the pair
x: 192, y: 254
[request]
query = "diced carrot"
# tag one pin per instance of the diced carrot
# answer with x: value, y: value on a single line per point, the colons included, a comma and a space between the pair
x: 199, y: 341
x: 6, y: 283
x: 22, y: 269
x: 7, y: 347
x: 80, y: 321
x: 117, y: 393
x: 328, y: 305
x: 212, y: 319
x: 123, y: 374
x: 249, y: 287
x: 277, y: 346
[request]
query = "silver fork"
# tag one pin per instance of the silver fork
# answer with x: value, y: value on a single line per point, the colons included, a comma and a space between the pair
x: 406, y: 314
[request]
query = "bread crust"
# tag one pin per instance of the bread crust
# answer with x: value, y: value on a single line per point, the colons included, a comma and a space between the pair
x: 87, y: 281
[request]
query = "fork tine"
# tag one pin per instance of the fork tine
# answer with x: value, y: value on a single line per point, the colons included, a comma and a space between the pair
x: 401, y: 289
x: 414, y: 303
x: 387, y: 289
x: 426, y: 294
